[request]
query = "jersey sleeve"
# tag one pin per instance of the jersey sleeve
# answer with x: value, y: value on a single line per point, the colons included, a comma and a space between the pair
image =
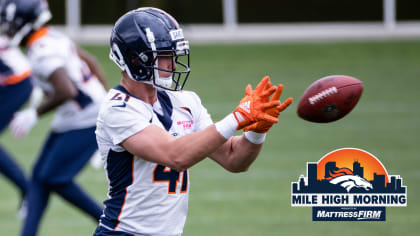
x: 45, y: 67
x: 46, y: 57
x: 121, y: 122
x: 14, y: 67
x: 202, y: 118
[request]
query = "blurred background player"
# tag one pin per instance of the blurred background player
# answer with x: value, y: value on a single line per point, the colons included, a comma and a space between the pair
x: 15, y: 89
x: 74, y: 84
x: 150, y: 132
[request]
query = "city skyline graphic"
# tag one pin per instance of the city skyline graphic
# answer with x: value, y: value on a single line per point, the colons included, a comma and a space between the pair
x: 348, y: 184
x: 347, y: 164
x: 345, y: 158
x: 314, y: 185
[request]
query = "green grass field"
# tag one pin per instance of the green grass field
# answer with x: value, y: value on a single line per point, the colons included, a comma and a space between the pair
x: 386, y: 122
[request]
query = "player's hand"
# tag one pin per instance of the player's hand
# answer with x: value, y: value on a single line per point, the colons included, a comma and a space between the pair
x: 22, y: 122
x: 253, y: 106
x: 263, y: 126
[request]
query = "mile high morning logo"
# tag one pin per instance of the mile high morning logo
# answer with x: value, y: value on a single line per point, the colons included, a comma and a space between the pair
x: 348, y: 184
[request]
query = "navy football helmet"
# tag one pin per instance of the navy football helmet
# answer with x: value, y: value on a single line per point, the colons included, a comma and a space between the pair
x: 20, y: 17
x: 140, y: 37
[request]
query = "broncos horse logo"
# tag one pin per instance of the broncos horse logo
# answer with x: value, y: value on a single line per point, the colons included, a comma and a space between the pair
x: 352, y: 181
x: 345, y: 178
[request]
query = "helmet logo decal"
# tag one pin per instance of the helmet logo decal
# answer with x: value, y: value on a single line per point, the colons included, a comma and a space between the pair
x: 176, y: 34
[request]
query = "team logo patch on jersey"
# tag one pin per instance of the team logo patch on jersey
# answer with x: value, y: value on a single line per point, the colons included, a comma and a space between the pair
x: 348, y: 184
x: 186, y: 124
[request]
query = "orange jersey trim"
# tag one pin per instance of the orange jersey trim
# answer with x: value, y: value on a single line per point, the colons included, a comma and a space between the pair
x: 41, y: 32
x: 186, y: 109
x: 14, y: 79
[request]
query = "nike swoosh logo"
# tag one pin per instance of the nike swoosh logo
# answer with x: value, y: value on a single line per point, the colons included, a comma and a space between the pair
x: 121, y: 105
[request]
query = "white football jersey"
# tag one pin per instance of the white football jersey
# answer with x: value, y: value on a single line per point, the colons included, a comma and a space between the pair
x: 14, y: 67
x: 49, y: 50
x: 145, y: 198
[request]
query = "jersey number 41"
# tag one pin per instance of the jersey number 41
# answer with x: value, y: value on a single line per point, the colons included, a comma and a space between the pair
x: 165, y: 174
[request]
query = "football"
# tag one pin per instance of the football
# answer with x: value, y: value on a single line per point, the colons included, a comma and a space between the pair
x: 330, y: 98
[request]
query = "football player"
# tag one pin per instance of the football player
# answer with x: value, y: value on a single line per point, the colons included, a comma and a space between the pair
x: 75, y: 85
x: 15, y: 89
x: 150, y: 131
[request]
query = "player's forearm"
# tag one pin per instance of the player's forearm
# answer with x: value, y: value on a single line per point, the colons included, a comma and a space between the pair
x: 190, y: 149
x: 64, y: 90
x: 243, y: 153
x: 237, y: 154
x: 156, y: 145
x: 51, y: 103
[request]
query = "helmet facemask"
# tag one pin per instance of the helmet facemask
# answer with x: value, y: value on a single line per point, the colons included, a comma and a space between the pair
x: 179, y: 49
x: 179, y: 70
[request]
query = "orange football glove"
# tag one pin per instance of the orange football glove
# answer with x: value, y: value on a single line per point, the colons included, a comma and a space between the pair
x: 253, y: 106
x: 263, y: 126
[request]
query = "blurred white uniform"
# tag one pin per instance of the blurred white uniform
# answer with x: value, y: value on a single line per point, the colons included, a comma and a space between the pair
x: 16, y: 67
x: 49, y: 50
x: 145, y: 198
